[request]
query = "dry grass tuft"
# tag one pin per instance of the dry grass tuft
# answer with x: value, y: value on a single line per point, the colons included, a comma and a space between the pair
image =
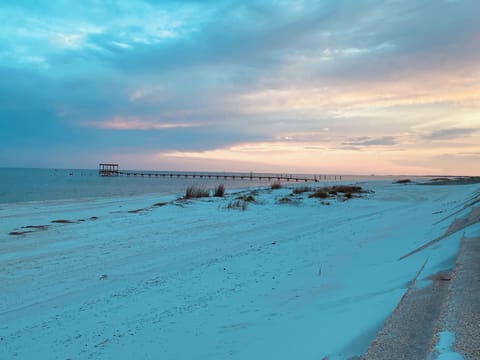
x: 337, y: 190
x: 193, y: 192
x: 219, y: 191
x: 302, y: 189
x: 353, y: 189
x: 246, y: 198
x: 403, y: 181
x: 238, y: 205
x: 320, y: 194
x: 441, y: 179
x: 290, y: 200
x: 276, y: 185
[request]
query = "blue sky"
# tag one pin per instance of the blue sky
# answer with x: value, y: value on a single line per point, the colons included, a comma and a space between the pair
x: 362, y: 86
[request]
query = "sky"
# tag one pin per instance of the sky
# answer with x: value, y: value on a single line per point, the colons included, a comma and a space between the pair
x: 340, y: 87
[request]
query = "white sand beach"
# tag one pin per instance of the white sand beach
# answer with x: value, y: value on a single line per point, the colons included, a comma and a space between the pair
x: 155, y: 278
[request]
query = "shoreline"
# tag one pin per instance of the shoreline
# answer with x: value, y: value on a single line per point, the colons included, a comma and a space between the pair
x: 19, y: 185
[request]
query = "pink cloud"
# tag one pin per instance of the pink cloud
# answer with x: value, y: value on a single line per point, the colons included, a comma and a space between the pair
x: 136, y: 123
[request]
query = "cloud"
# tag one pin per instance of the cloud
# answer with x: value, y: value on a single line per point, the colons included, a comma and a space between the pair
x: 195, y: 76
x: 326, y: 37
x: 451, y: 134
x: 350, y: 148
x: 368, y: 141
x: 135, y: 123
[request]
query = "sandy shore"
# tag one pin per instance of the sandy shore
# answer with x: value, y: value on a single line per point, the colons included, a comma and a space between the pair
x: 154, y: 278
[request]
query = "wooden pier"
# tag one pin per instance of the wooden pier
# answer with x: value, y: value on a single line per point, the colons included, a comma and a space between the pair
x: 112, y: 170
x: 108, y: 170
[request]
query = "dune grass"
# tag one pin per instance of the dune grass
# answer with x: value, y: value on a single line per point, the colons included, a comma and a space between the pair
x: 276, y: 185
x: 347, y: 191
x: 194, y: 192
x: 219, y: 191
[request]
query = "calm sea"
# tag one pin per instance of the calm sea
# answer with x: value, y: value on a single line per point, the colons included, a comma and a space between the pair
x: 21, y: 185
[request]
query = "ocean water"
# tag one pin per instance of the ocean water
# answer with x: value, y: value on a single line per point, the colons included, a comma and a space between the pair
x: 23, y: 185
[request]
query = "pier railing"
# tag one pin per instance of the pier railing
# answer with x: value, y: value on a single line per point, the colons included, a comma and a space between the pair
x: 108, y: 170
x: 112, y: 170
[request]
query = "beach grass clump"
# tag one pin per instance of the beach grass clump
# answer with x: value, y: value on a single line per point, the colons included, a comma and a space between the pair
x: 289, y: 200
x: 441, y: 179
x: 246, y: 198
x: 347, y: 191
x: 319, y: 194
x: 219, y: 191
x: 238, y: 205
x: 276, y: 185
x: 302, y: 189
x: 285, y: 200
x: 352, y: 189
x: 403, y: 181
x: 194, y: 192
